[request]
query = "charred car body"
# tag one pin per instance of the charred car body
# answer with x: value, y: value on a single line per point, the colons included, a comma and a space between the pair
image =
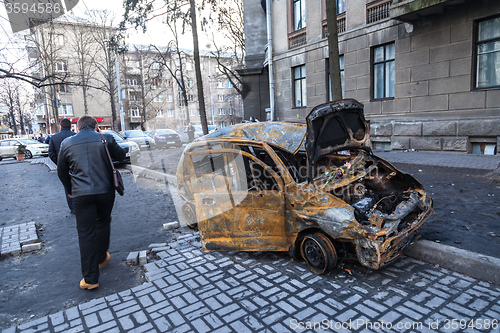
x: 312, y: 189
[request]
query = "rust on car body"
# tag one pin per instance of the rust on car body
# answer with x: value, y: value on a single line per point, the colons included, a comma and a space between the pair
x: 315, y: 189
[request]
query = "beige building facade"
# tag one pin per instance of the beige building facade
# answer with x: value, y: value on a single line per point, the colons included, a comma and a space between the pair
x: 428, y: 72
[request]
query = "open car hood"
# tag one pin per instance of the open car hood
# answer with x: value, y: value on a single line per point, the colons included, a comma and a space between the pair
x: 336, y: 126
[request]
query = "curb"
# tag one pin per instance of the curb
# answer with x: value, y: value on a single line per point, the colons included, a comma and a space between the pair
x: 467, y: 262
x: 470, y: 263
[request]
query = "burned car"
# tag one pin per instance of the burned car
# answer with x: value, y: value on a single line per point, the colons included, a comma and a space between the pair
x: 315, y: 190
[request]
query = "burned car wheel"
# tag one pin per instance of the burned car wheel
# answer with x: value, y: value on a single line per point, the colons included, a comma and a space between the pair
x: 189, y: 214
x: 319, y: 253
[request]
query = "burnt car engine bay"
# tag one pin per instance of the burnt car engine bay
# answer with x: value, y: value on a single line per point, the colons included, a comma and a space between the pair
x: 382, y: 197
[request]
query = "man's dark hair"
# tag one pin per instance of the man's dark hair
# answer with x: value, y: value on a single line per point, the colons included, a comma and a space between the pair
x: 86, y: 120
x: 65, y: 123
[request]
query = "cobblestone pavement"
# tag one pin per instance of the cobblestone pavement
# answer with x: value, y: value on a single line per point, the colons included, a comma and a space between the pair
x: 18, y: 238
x: 190, y: 290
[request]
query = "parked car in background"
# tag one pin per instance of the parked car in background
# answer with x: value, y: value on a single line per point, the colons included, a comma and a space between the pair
x: 314, y: 190
x: 184, y: 136
x: 142, y: 139
x: 131, y: 148
x: 166, y: 138
x: 8, y: 148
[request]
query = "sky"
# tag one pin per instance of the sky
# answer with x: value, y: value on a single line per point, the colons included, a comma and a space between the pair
x: 157, y: 33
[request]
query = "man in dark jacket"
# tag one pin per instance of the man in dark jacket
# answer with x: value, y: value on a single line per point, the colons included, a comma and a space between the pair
x: 85, y: 171
x: 55, y: 145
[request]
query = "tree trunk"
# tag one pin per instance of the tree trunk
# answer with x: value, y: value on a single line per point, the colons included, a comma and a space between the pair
x: 21, y: 118
x: 197, y: 67
x: 333, y: 46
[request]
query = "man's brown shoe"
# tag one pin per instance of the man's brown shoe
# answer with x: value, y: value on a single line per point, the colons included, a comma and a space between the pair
x: 85, y: 285
x: 106, y: 260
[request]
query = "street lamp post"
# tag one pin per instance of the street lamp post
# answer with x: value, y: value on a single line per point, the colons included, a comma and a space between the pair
x: 210, y: 88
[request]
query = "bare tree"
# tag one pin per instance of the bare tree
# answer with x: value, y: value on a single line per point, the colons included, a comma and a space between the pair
x: 176, y: 71
x: 85, y: 48
x: 139, y: 12
x: 15, y: 97
x: 106, y: 60
x: 230, y: 24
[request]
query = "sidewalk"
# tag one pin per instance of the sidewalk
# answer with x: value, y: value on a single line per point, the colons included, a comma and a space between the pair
x: 445, y: 159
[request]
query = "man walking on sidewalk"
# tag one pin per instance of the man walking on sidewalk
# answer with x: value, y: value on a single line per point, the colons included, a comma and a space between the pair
x: 85, y: 171
x: 55, y: 145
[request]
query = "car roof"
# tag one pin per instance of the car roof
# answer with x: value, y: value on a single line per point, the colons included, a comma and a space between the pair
x: 285, y: 135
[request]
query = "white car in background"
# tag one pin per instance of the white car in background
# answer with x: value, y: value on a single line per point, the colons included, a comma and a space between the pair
x: 8, y: 148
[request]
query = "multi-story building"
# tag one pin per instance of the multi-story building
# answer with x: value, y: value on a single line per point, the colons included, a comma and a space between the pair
x: 64, y: 52
x: 427, y: 72
x: 152, y: 94
x: 79, y: 64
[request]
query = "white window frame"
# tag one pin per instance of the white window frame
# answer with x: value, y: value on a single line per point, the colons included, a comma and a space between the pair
x: 134, y: 113
x: 65, y: 110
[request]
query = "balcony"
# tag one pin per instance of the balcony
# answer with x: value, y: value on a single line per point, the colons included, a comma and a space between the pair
x: 377, y: 10
x: 411, y: 10
x: 297, y: 38
x: 340, y: 25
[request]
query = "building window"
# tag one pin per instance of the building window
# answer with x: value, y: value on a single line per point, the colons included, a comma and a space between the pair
x: 299, y: 14
x: 169, y: 98
x: 189, y: 66
x: 170, y: 113
x: 159, y: 113
x: 155, y: 65
x: 63, y: 88
x: 58, y: 39
x: 229, y: 84
x: 158, y: 98
x: 383, y: 71
x: 488, y: 54
x: 340, y: 6
x: 134, y: 112
x: 222, y: 111
x: 191, y: 98
x: 131, y: 82
x: 190, y: 83
x: 155, y: 83
x: 40, y: 110
x: 329, y: 79
x: 61, y: 66
x: 230, y: 111
x: 299, y: 86
x: 65, y: 110
x: 133, y: 63
x: 168, y: 83
x: 220, y: 84
x: 191, y: 112
x: 220, y: 98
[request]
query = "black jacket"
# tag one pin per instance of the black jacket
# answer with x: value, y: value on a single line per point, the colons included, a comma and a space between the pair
x: 55, y: 142
x: 83, y: 165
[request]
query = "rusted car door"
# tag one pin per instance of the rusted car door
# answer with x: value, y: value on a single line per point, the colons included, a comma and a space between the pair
x: 241, y: 206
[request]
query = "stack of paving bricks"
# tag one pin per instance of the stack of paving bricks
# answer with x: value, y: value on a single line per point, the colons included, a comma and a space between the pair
x: 19, y: 238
